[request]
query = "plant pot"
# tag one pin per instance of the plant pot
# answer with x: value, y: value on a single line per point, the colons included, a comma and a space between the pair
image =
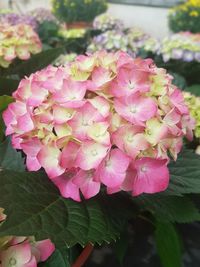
x: 79, y: 25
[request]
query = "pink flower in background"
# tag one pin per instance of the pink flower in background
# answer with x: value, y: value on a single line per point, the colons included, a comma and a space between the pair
x: 105, y: 118
x: 2, y: 215
x: 17, y: 41
x: 25, y: 252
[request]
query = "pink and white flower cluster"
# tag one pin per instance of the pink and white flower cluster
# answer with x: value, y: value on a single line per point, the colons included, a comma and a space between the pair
x: 23, y: 251
x: 17, y: 41
x: 104, y: 119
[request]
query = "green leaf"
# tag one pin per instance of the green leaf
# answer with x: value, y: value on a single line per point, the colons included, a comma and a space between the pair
x: 8, y: 86
x: 178, y: 80
x: 34, y: 207
x: 56, y: 260
x: 169, y: 208
x: 10, y: 159
x: 4, y: 101
x: 37, y: 62
x: 121, y: 246
x: 168, y: 245
x: 194, y: 89
x: 184, y: 174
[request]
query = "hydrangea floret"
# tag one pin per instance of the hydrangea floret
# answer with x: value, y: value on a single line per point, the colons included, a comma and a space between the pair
x: 18, y: 41
x: 107, y: 22
x: 141, y: 40
x: 65, y: 58
x: 193, y: 103
x: 104, y: 119
x: 130, y: 40
x: 183, y: 46
x: 111, y: 41
x: 43, y: 14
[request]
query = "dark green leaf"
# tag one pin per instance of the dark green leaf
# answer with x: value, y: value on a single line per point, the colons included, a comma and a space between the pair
x: 121, y: 246
x: 184, y: 174
x: 56, y: 260
x: 170, y: 208
x: 8, y: 86
x: 168, y: 245
x: 10, y: 159
x: 34, y: 207
x: 178, y: 80
x: 194, y: 89
x: 4, y: 101
x: 37, y: 62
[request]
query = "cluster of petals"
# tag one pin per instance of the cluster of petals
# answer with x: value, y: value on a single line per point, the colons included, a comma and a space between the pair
x: 184, y: 46
x: 105, y: 22
x: 17, y: 41
x: 104, y: 119
x: 14, y: 19
x: 42, y: 15
x: 24, y: 251
x: 131, y: 40
x: 193, y: 103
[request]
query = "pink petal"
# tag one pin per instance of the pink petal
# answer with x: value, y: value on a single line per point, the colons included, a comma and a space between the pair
x: 101, y: 104
x: 130, y: 139
x: 46, y: 248
x: 135, y: 108
x: 31, y: 147
x: 86, y: 183
x: 71, y: 94
x: 32, y: 163
x: 85, y: 117
x: 31, y: 263
x: 152, y: 176
x: 177, y: 100
x: 21, y: 253
x: 129, y: 82
x: 112, y: 171
x: 38, y: 95
x: 25, y: 123
x: 100, y: 77
x: 49, y: 158
x: 67, y: 187
x: 90, y: 155
x: 68, y: 155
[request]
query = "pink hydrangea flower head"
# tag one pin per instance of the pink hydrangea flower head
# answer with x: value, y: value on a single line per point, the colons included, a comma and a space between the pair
x: 104, y: 119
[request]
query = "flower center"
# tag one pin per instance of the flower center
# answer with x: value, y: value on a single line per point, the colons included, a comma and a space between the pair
x: 12, y: 262
x: 72, y: 97
x: 149, y: 132
x: 84, y: 122
x: 94, y: 152
x: 68, y: 115
x: 133, y: 109
x: 143, y: 168
x: 130, y: 138
x: 131, y: 85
